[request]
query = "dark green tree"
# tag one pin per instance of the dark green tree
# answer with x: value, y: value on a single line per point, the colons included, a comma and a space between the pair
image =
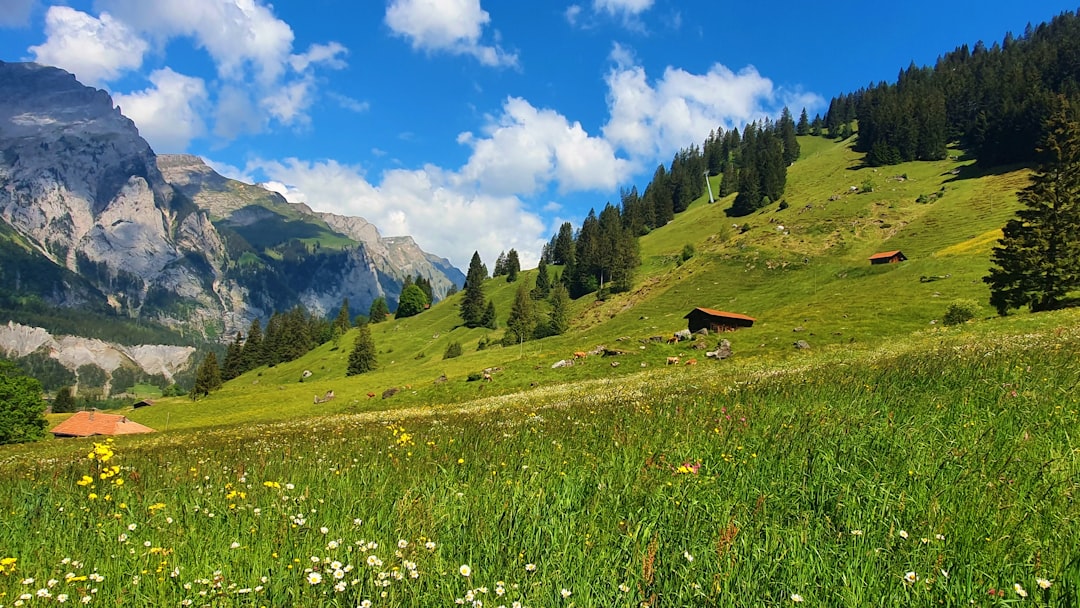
x: 1037, y: 261
x: 21, y: 406
x: 343, y: 322
x: 562, y: 252
x: 522, y: 320
x: 230, y: 367
x: 378, y: 311
x: 543, y: 281
x: 488, y: 319
x: 472, y: 302
x: 500, y: 265
x: 362, y: 358
x: 412, y: 302
x: 64, y: 401
x: 559, y: 320
x: 513, y: 266
x: 788, y: 130
x: 425, y: 286
x: 803, y: 126
x: 207, y: 377
x: 251, y: 356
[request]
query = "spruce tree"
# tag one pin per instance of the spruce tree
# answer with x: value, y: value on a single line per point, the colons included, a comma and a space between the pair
x: 803, y: 128
x: 488, y: 319
x: 472, y: 303
x: 251, y: 356
x: 543, y: 281
x: 362, y: 358
x: 522, y: 321
x: 343, y: 322
x: 207, y: 377
x: 559, y: 321
x: 562, y: 251
x: 513, y: 266
x: 231, y: 367
x: 379, y: 310
x: 64, y: 401
x: 1037, y: 261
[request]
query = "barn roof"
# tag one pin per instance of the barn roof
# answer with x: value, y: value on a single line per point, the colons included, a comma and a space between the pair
x: 719, y: 313
x: 85, y: 424
x: 884, y: 255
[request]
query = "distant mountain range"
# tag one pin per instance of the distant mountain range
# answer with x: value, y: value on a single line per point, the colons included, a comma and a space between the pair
x: 93, y: 219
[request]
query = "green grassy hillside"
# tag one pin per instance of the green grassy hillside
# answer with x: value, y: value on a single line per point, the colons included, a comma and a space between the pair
x: 798, y: 266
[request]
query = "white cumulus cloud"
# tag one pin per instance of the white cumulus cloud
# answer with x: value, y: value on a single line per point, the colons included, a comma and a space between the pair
x: 652, y: 120
x: 453, y: 26
x: 623, y: 7
x: 526, y: 148
x: 95, y: 49
x: 168, y: 114
x: 423, y: 203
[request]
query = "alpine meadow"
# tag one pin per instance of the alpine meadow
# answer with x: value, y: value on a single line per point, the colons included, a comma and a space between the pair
x: 879, y: 408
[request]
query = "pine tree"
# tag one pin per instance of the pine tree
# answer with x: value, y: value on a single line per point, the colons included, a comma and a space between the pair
x: 1037, y: 261
x: 789, y: 143
x: 488, y: 319
x: 559, y: 321
x: 64, y: 401
x: 562, y: 253
x: 343, y: 322
x: 231, y: 366
x: 379, y: 310
x: 803, y: 128
x: 251, y: 356
x: 522, y: 320
x: 500, y: 265
x: 362, y: 358
x: 543, y: 281
x: 472, y: 303
x: 207, y: 377
x: 513, y: 266
x: 425, y: 286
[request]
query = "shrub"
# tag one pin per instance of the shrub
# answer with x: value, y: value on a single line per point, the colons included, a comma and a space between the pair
x: 452, y: 350
x: 783, y: 205
x: 961, y: 311
x: 687, y: 252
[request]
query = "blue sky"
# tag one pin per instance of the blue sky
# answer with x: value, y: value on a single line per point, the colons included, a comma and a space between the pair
x: 475, y: 124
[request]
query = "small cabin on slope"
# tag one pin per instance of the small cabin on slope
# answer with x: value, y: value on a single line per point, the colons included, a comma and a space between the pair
x: 86, y: 424
x: 716, y: 320
x: 888, y: 257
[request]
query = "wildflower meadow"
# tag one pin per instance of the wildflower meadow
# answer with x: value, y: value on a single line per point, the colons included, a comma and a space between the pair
x: 941, y: 475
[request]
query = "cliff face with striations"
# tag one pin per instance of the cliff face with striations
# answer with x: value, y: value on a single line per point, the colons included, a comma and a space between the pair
x: 91, y: 217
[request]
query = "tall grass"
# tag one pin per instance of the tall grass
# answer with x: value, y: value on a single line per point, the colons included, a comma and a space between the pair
x: 940, y: 475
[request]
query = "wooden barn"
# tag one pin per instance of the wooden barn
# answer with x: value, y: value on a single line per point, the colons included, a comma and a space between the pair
x: 86, y: 424
x: 716, y: 320
x: 888, y: 257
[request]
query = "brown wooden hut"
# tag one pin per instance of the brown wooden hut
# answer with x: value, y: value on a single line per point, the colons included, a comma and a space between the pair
x: 716, y: 320
x: 888, y: 257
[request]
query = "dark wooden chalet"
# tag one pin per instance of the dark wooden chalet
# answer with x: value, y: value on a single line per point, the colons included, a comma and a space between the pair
x: 716, y: 320
x: 888, y: 257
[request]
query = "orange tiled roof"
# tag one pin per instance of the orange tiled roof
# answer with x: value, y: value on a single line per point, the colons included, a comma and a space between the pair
x: 85, y: 424
x: 884, y: 255
x: 720, y: 313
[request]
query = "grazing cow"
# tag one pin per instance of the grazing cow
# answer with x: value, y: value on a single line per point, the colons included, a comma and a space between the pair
x: 672, y: 360
x: 580, y: 354
x: 691, y: 362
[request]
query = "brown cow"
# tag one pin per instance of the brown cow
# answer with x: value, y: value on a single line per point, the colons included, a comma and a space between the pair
x: 580, y: 355
x: 672, y: 360
x: 691, y: 362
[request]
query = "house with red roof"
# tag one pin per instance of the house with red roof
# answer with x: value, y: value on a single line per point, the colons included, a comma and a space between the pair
x: 89, y: 423
x: 716, y: 320
x: 888, y: 257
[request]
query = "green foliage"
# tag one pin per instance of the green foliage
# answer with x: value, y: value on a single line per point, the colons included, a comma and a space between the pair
x: 472, y: 303
x: 687, y: 252
x: 559, y: 319
x: 207, y: 377
x: 378, y: 311
x: 21, y: 406
x: 343, y: 321
x: 64, y: 401
x: 522, y: 321
x: 411, y: 303
x: 48, y: 371
x: 452, y: 350
x: 232, y: 366
x: 362, y: 359
x: 543, y: 282
x: 489, y: 319
x: 960, y: 311
x: 1037, y: 260
x: 91, y: 376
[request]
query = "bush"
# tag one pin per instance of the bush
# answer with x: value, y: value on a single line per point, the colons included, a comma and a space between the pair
x: 452, y: 350
x: 783, y: 205
x: 961, y: 311
x: 687, y: 252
